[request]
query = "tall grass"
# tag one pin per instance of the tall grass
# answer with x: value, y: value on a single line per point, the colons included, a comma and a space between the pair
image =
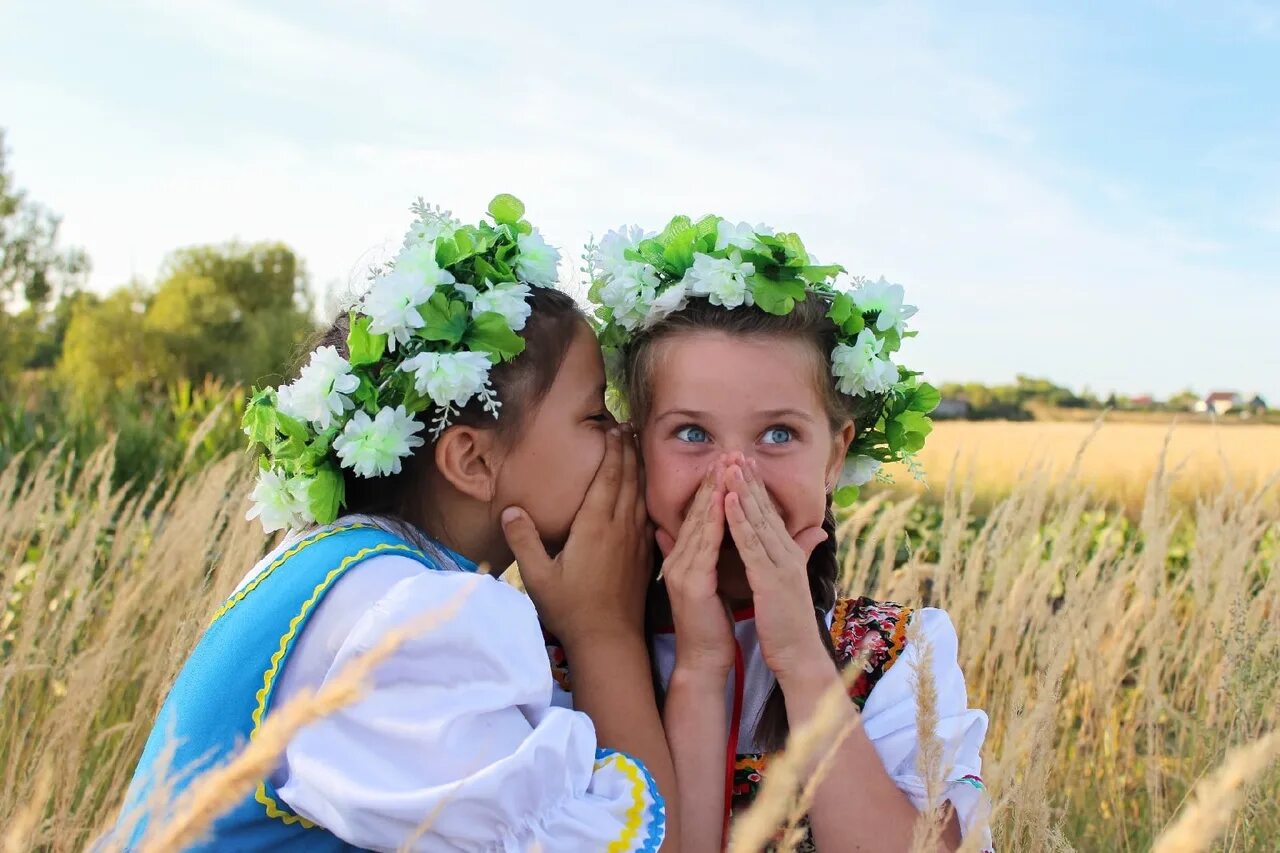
x: 1121, y: 662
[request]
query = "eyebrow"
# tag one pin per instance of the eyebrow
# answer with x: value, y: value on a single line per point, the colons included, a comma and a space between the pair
x: 596, y: 394
x: 694, y: 414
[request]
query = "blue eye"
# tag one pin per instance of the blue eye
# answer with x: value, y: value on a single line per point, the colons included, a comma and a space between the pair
x: 692, y: 434
x: 777, y: 435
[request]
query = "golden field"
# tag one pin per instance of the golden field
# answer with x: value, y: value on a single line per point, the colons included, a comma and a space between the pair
x: 1130, y: 663
x: 1115, y: 460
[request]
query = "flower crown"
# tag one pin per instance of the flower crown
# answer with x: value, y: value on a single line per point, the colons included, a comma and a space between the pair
x: 637, y: 279
x: 424, y: 336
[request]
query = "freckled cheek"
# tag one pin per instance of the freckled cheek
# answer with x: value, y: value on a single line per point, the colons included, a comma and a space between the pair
x: 669, y: 486
x: 801, y: 503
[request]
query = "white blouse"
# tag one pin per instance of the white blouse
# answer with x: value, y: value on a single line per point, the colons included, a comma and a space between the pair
x: 457, y: 745
x: 888, y: 717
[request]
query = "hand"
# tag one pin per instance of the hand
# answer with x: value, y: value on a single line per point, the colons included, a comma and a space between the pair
x: 777, y: 570
x: 595, y: 587
x: 704, y: 631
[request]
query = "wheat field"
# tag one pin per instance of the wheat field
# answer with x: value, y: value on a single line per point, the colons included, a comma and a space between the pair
x: 1130, y: 664
x: 1115, y: 459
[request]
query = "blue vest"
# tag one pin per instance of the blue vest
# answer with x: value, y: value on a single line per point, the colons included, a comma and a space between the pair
x: 225, y: 688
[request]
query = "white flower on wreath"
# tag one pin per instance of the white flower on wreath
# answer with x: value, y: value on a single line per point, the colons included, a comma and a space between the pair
x: 610, y: 252
x: 722, y: 280
x: 320, y: 391
x: 449, y: 378
x: 859, y: 367
x: 420, y: 259
x: 510, y: 299
x: 629, y: 293
x: 858, y: 470
x: 392, y: 304
x: 669, y: 301
x: 373, y: 447
x: 279, y: 502
x: 886, y: 299
x: 742, y: 235
x: 537, y: 262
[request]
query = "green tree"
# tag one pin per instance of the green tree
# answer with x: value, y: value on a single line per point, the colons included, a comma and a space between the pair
x: 231, y: 312
x: 1183, y: 401
x: 107, y: 350
x: 34, y: 270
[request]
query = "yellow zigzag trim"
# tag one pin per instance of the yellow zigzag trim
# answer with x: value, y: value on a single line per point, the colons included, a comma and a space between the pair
x: 269, y: 677
x: 635, y: 814
x: 275, y: 564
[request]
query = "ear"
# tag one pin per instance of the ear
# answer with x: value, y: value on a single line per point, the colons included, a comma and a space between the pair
x: 467, y: 457
x: 840, y: 441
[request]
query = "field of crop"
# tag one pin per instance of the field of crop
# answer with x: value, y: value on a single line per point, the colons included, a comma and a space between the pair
x: 1120, y: 625
x: 1115, y: 461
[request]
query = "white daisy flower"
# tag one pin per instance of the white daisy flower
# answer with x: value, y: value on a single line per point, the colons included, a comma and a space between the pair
x: 722, y: 280
x: 742, y: 235
x: 392, y: 304
x: 320, y: 391
x: 507, y: 298
x: 449, y: 378
x: 858, y: 470
x: 536, y: 261
x: 279, y: 502
x: 886, y: 299
x: 859, y: 367
x: 373, y: 447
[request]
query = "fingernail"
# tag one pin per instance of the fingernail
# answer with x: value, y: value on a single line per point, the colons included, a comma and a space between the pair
x: 510, y: 514
x: 615, y: 431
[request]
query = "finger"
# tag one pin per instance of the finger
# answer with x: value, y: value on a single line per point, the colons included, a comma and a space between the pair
x: 810, y: 538
x: 642, y: 484
x: 711, y: 530
x: 603, y: 492
x: 697, y: 510
x: 624, y: 500
x: 769, y: 509
x: 525, y: 543
x: 756, y: 516
x: 745, y: 537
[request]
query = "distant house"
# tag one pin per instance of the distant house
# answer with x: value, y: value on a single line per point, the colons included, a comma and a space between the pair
x: 952, y: 408
x: 1220, y: 402
x: 1142, y: 401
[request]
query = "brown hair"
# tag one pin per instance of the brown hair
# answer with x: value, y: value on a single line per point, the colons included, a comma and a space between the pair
x: 806, y: 322
x: 400, y: 500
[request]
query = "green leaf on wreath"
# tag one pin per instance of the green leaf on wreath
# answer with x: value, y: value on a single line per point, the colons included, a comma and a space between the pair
x: 363, y: 346
x: 776, y: 297
x: 506, y: 209
x: 491, y: 333
x: 443, y: 319
x: 325, y: 494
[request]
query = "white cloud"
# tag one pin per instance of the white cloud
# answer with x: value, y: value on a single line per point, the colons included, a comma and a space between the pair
x: 858, y: 127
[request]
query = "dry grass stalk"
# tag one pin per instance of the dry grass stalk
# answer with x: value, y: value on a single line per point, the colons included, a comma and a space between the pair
x: 1118, y: 657
x: 217, y: 790
x: 782, y: 798
x: 1216, y: 798
x: 929, y: 758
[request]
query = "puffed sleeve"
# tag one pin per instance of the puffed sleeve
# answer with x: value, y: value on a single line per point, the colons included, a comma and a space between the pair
x: 889, y: 719
x: 456, y: 745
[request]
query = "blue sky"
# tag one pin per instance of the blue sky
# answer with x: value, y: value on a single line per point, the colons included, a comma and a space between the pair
x: 1089, y: 192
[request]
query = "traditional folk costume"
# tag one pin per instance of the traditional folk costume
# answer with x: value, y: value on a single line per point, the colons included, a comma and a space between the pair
x: 456, y: 745
x: 884, y: 693
x: 639, y: 278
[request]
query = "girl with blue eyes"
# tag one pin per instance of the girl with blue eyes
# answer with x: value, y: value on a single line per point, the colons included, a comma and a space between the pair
x: 753, y: 411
